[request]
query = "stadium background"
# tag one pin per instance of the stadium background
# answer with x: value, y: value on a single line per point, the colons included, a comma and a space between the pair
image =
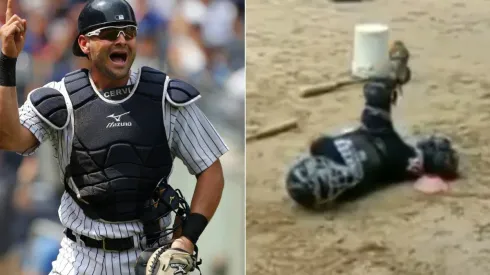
x: 200, y: 41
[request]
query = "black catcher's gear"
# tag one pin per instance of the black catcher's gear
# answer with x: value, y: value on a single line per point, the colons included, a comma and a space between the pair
x: 440, y: 158
x: 354, y: 163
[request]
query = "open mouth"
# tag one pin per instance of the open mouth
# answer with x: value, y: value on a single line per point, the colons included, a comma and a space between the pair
x: 119, y: 57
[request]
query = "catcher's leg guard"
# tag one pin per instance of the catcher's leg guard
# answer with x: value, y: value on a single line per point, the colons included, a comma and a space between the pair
x: 376, y: 116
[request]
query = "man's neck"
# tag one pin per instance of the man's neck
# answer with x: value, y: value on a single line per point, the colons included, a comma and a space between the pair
x: 102, y: 82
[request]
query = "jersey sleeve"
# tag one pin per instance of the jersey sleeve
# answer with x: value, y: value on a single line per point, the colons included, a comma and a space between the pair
x: 194, y: 139
x: 30, y: 120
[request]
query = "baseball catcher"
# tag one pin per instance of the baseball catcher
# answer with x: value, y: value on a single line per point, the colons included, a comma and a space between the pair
x: 373, y: 155
x: 116, y: 130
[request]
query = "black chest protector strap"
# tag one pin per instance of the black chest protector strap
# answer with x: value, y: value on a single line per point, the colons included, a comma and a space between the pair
x: 87, y: 209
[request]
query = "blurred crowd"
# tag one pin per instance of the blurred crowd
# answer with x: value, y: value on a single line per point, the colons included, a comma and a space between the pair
x: 200, y: 41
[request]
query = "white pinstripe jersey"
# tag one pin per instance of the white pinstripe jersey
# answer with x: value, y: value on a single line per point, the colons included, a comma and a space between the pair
x: 191, y: 138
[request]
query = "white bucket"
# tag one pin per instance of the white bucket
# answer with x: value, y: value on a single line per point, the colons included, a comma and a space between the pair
x: 371, y: 51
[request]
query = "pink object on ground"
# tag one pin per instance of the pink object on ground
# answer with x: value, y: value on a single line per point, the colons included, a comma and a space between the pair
x: 430, y: 184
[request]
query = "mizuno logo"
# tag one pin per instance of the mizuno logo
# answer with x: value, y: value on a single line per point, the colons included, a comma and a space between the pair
x: 118, y: 117
x: 118, y: 122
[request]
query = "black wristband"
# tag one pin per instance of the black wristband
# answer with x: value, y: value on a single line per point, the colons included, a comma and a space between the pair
x: 7, y: 70
x: 193, y: 227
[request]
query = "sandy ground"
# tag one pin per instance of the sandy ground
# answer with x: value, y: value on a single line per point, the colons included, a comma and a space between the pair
x: 293, y: 43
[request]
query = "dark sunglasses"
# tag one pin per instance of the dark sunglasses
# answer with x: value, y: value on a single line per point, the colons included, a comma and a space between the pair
x: 111, y: 33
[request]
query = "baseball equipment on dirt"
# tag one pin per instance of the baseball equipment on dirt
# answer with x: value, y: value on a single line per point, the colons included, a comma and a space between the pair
x: 380, y: 93
x: 166, y: 261
x: 353, y: 164
x: 313, y: 181
x: 400, y: 73
x: 440, y: 157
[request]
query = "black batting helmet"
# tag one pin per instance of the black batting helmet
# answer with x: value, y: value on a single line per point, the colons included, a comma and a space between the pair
x: 101, y: 13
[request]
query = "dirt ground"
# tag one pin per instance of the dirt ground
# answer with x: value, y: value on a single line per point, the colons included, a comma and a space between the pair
x: 295, y: 43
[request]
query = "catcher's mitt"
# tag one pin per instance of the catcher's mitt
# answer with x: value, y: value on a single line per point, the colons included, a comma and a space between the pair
x: 166, y: 261
x: 142, y: 261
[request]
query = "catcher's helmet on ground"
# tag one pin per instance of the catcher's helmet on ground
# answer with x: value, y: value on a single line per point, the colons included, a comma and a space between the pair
x: 101, y: 13
x: 307, y: 181
x: 317, y: 181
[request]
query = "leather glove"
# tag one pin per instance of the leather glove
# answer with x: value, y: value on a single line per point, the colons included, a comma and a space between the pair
x: 171, y: 261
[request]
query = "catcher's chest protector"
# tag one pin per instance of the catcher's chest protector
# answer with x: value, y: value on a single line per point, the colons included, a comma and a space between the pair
x: 368, y: 151
x: 120, y: 150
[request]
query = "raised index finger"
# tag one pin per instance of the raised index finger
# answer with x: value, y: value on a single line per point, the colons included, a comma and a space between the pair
x: 9, y: 13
